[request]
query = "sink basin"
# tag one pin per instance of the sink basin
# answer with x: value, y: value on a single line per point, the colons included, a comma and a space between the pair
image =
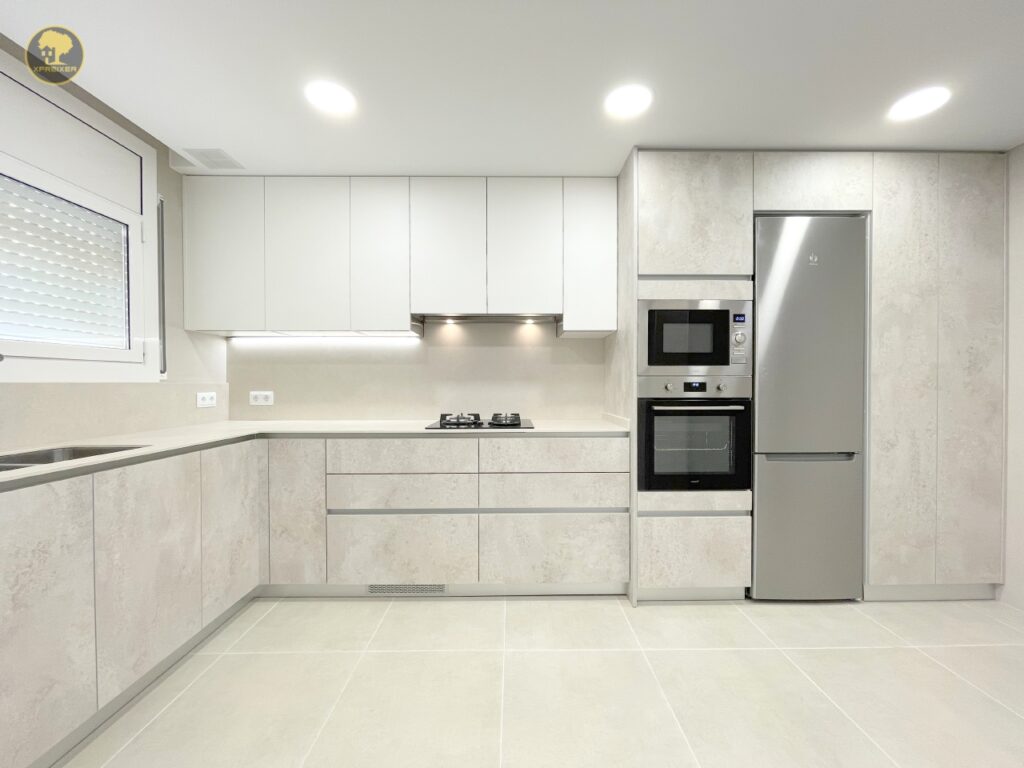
x: 54, y: 455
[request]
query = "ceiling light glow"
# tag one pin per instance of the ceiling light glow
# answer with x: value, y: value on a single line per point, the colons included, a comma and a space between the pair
x: 919, y: 103
x: 330, y: 97
x: 628, y: 101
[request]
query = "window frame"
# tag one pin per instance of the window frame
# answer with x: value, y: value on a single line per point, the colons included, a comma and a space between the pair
x: 135, y: 353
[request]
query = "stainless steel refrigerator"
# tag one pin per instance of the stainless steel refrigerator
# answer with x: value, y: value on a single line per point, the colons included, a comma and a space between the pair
x: 810, y: 298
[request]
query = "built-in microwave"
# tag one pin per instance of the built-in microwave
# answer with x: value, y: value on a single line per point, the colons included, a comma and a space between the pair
x: 696, y: 337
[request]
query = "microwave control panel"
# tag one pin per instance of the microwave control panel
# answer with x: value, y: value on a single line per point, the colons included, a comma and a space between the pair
x: 740, y: 342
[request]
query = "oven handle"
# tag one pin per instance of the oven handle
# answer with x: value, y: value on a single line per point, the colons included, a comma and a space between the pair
x: 698, y: 407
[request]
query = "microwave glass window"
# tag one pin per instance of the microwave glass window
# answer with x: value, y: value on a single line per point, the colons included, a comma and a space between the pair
x: 688, y: 338
x: 694, y: 444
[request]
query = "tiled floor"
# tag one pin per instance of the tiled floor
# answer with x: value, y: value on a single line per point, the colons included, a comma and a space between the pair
x: 529, y: 683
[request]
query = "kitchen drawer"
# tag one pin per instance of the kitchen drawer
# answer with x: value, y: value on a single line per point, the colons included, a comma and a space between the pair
x: 602, y: 490
x: 447, y: 491
x: 399, y: 548
x: 554, y: 454
x: 690, y: 502
x: 688, y: 552
x: 407, y: 455
x: 554, y: 547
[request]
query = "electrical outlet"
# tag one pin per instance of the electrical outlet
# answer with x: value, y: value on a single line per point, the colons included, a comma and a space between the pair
x: 206, y: 399
x: 261, y: 397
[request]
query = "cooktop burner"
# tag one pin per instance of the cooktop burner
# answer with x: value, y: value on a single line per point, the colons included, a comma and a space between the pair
x: 473, y: 421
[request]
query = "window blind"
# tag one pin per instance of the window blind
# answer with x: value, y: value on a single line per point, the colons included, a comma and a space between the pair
x: 63, y: 271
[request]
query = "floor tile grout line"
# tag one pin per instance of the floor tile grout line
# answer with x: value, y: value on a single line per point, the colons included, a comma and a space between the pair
x: 344, y: 687
x: 977, y: 687
x: 821, y: 690
x: 892, y: 632
x: 251, y: 627
x: 163, y: 709
x: 501, y: 700
x: 661, y: 688
x: 995, y: 618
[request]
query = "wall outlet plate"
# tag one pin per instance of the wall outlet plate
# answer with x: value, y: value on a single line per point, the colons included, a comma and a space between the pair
x: 206, y: 399
x: 261, y: 397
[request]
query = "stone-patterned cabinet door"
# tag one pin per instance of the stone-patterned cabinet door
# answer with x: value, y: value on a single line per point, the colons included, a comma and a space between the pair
x: 148, y: 583
x: 298, y: 511
x: 234, y: 522
x: 695, y: 213
x: 47, y: 630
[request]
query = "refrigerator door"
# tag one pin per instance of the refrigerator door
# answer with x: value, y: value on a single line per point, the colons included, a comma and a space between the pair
x: 808, y: 527
x: 810, y: 315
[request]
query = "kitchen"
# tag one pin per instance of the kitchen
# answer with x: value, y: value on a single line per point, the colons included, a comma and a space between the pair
x: 518, y: 415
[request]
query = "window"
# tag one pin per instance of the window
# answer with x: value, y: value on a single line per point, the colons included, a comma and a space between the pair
x: 66, y: 272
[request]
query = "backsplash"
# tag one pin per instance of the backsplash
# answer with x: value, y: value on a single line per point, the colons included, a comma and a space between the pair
x: 463, y: 367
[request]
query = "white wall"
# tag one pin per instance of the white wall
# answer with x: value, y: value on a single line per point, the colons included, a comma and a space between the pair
x: 1013, y: 591
x: 473, y: 367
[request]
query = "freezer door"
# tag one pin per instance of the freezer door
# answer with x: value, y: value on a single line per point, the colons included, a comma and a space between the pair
x: 808, y: 527
x: 810, y: 316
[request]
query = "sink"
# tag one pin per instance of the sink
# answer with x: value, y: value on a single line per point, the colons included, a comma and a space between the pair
x: 54, y: 455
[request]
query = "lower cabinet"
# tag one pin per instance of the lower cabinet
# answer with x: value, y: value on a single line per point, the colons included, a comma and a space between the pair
x: 398, y: 548
x: 554, y: 547
x: 694, y: 552
x: 298, y: 510
x: 148, y: 581
x: 47, y: 630
x: 234, y: 493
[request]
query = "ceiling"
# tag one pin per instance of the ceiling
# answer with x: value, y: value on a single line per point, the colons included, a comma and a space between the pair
x: 516, y: 86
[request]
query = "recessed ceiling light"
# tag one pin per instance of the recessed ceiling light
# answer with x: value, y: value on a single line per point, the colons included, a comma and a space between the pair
x: 628, y: 101
x: 330, y: 97
x: 919, y: 103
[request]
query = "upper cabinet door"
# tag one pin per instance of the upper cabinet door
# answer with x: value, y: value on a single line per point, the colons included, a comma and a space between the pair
x: 448, y: 219
x: 524, y: 246
x: 695, y: 213
x: 307, y: 242
x: 223, y: 240
x: 590, y: 256
x: 380, y: 254
x: 812, y: 181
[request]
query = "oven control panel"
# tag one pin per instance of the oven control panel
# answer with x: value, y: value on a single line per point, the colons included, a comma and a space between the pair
x: 694, y: 386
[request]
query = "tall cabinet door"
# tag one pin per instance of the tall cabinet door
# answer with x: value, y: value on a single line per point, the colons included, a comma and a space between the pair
x: 590, y: 256
x: 524, y: 246
x: 223, y: 252
x: 448, y: 219
x: 307, y: 246
x: 972, y: 205
x: 380, y: 254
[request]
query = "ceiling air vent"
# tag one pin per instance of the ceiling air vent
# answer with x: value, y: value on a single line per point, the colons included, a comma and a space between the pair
x: 214, y: 159
x: 180, y: 163
x: 407, y: 589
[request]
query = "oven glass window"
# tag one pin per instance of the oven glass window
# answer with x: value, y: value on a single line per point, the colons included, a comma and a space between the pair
x: 701, y: 444
x: 688, y: 338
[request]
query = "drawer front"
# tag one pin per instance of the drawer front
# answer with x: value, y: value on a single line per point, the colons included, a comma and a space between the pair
x: 402, y: 549
x: 694, y: 552
x: 554, y: 547
x: 358, y: 455
x: 605, y: 490
x: 554, y: 454
x: 401, y: 491
x: 695, y: 502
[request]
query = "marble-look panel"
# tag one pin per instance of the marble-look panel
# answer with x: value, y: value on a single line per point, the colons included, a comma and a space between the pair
x: 298, y: 511
x: 554, y: 454
x: 602, y: 490
x: 694, y: 552
x: 402, y: 491
x: 401, y: 455
x: 812, y: 181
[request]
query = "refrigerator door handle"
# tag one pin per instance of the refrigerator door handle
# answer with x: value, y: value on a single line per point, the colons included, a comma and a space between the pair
x: 841, y: 456
x: 698, y: 407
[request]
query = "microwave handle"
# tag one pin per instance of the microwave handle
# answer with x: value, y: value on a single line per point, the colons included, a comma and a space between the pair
x: 698, y: 407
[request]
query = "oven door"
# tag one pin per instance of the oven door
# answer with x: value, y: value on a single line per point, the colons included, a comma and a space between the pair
x: 694, y: 445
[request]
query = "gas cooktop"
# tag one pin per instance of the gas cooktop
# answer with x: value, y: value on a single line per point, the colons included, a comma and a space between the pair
x: 473, y: 421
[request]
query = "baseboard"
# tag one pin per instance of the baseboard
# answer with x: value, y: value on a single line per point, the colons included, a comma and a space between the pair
x: 648, y: 594
x: 70, y: 745
x: 883, y: 592
x: 450, y: 590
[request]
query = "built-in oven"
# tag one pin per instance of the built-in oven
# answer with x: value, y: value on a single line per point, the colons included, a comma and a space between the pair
x: 691, y: 337
x: 694, y: 434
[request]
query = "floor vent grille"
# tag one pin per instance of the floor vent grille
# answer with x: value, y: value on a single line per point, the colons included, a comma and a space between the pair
x: 407, y: 589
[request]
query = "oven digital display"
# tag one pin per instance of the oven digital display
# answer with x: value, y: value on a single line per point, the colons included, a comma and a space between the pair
x: 695, y: 386
x: 739, y: 318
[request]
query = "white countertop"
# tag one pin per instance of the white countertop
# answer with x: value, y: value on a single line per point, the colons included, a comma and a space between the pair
x: 179, y: 439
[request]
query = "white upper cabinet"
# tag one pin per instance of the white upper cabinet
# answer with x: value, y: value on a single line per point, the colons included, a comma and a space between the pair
x: 307, y: 253
x: 524, y: 246
x: 590, y: 257
x: 812, y: 181
x: 448, y: 219
x: 223, y: 242
x: 695, y: 215
x: 380, y: 254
